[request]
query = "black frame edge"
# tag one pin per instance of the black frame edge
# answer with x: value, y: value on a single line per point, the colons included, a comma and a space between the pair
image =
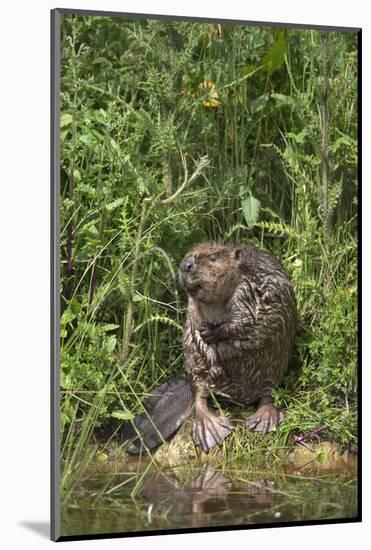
x: 99, y: 536
x: 128, y: 15
x: 55, y: 275
x: 359, y: 257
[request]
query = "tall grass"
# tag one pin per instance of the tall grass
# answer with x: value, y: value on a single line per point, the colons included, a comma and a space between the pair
x: 174, y: 133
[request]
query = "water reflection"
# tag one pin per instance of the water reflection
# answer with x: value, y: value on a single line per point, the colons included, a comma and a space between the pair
x: 167, y: 495
x: 205, y: 497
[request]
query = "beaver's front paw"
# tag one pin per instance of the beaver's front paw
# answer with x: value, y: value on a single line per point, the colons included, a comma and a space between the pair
x: 215, y: 371
x: 212, y: 334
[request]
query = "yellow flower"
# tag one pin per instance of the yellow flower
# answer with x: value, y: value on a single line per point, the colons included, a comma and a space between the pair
x: 298, y: 262
x: 101, y: 456
x: 188, y: 93
x: 212, y: 95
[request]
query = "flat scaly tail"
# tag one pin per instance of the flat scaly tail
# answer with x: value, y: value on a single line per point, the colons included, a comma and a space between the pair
x: 166, y: 409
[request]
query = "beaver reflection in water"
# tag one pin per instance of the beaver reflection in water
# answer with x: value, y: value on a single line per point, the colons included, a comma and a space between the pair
x: 239, y: 333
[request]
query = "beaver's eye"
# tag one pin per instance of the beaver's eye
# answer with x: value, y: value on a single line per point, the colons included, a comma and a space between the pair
x: 212, y: 258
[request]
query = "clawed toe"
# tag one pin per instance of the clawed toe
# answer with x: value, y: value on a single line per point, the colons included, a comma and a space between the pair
x: 266, y: 419
x: 214, y: 372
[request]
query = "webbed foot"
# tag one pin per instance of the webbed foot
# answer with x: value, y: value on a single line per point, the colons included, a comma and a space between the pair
x: 265, y: 419
x: 210, y: 429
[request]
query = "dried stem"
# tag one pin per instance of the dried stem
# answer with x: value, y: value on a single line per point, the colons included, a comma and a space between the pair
x: 202, y: 163
x: 325, y: 136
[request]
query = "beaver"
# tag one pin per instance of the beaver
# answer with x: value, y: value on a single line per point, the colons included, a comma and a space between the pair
x: 238, y: 337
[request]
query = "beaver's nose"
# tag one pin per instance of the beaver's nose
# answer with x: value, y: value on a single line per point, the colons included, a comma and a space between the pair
x: 187, y: 265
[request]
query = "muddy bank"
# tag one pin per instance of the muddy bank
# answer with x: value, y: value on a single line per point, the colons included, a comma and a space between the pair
x: 241, y: 449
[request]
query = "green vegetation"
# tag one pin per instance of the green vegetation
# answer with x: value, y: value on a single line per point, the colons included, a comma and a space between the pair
x: 173, y: 133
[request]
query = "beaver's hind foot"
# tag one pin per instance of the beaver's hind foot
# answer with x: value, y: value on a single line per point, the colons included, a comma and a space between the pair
x: 209, y: 429
x: 265, y: 419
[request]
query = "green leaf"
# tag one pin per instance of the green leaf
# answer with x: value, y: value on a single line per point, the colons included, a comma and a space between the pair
x: 114, y: 204
x: 93, y: 242
x: 161, y: 319
x: 339, y: 142
x: 86, y: 139
x: 100, y: 116
x: 282, y: 100
x: 109, y: 326
x: 66, y: 120
x: 259, y: 103
x: 275, y: 58
x: 91, y: 228
x: 248, y: 69
x: 114, y: 145
x: 251, y: 209
x: 298, y: 138
x: 86, y: 189
x: 122, y: 415
x: 110, y: 344
x: 75, y: 305
x: 101, y: 61
x: 76, y: 175
x: 67, y: 317
x: 64, y: 134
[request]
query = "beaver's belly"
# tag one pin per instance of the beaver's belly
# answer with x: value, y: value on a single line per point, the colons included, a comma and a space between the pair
x: 247, y: 374
x: 242, y: 381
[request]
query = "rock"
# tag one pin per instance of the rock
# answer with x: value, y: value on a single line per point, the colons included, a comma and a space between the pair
x: 325, y: 456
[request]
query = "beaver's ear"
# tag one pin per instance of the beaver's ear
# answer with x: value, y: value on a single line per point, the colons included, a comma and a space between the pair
x: 243, y: 255
x: 238, y: 253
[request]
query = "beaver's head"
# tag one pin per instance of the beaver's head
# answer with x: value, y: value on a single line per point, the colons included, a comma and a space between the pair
x: 210, y: 272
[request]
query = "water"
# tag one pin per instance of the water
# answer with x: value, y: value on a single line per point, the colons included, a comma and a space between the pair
x: 142, y: 497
